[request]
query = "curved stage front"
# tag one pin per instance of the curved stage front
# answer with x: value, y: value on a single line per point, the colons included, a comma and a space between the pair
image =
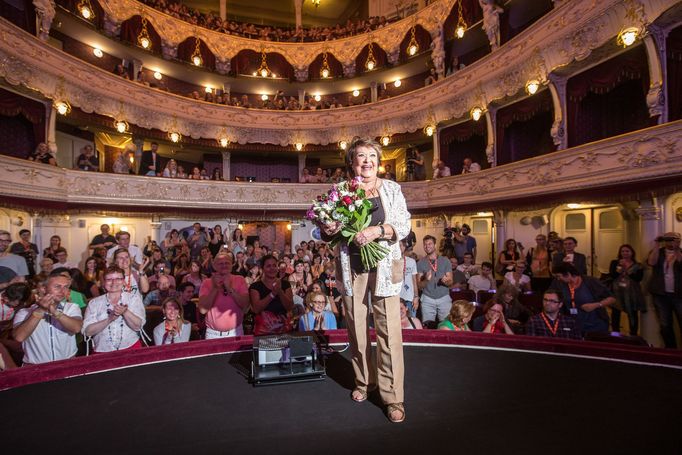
x: 465, y: 393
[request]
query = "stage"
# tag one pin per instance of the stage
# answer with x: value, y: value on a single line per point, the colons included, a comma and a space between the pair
x: 469, y: 395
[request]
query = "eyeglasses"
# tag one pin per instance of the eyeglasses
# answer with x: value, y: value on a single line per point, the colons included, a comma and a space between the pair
x: 319, y: 301
x: 113, y: 280
x: 551, y: 301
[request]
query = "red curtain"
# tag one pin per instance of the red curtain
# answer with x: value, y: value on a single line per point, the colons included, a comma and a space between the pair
x: 464, y: 140
x: 609, y: 99
x: 130, y: 29
x: 379, y: 57
x: 674, y: 57
x: 523, y: 129
x: 186, y: 50
x: 22, y: 124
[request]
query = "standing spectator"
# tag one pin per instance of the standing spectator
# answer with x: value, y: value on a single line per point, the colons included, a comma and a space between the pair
x: 149, y: 163
x: 87, y: 160
x: 464, y: 243
x: 665, y: 261
x: 507, y: 259
x: 122, y: 164
x: 415, y: 165
x: 626, y: 275
x: 185, y: 294
x: 570, y: 256
x: 485, y: 280
x: 197, y: 240
x: 441, y: 170
x: 409, y: 293
x: 305, y: 176
x: 13, y: 262
x: 114, y: 320
x: 517, y: 278
x: 123, y: 239
x: 435, y: 278
x: 55, y: 244
x: 584, y: 297
x: 47, y: 329
x: 27, y: 250
x: 468, y: 166
x: 538, y: 260
x: 551, y: 323
x: 468, y: 268
x: 163, y: 291
x: 104, y: 239
x: 223, y: 298
x: 62, y: 260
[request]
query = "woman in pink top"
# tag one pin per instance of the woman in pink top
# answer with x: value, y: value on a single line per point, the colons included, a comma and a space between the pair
x: 223, y: 299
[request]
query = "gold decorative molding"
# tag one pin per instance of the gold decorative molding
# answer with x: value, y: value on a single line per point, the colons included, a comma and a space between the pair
x: 651, y: 154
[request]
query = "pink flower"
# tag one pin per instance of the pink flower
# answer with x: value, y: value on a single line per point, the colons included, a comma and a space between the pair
x: 333, y: 195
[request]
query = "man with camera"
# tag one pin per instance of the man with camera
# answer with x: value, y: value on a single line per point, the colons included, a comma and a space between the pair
x: 464, y: 243
x: 197, y: 240
x: 665, y: 286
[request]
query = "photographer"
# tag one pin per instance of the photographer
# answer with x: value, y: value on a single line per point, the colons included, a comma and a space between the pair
x: 665, y: 286
x: 415, y: 164
x: 464, y: 243
x: 448, y: 246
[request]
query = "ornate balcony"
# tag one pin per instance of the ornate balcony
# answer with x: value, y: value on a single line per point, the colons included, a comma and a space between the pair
x: 645, y: 159
x: 568, y: 33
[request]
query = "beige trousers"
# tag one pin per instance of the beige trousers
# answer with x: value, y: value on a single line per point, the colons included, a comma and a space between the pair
x: 387, y: 371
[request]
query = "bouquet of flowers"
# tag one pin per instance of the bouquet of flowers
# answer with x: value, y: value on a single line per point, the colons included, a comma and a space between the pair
x: 347, y: 204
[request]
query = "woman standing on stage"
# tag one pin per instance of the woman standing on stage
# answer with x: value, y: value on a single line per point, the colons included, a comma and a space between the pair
x: 390, y: 222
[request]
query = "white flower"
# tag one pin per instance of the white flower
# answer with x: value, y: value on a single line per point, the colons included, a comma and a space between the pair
x: 358, y: 203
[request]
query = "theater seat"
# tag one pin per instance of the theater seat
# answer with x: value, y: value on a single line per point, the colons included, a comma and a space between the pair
x: 482, y: 297
x: 462, y: 294
x: 532, y: 301
x: 617, y: 338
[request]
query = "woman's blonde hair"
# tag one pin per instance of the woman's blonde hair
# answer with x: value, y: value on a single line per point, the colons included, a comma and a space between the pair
x: 460, y: 309
x: 181, y: 311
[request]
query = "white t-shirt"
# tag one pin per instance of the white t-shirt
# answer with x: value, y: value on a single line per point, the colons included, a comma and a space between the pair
x: 49, y: 341
x: 15, y: 263
x: 480, y: 283
x: 509, y: 276
x: 407, y: 292
x: 117, y: 335
x: 135, y: 254
x: 183, y: 336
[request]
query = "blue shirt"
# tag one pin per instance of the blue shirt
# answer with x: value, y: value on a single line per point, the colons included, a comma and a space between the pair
x: 307, y: 321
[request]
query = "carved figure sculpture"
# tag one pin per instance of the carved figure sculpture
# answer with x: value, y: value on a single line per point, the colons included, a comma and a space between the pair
x: 45, y: 9
x: 491, y: 22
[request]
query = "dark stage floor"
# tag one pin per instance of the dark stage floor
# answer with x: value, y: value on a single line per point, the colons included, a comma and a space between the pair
x: 459, y: 401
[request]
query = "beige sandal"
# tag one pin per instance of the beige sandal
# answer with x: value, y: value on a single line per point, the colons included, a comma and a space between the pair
x: 393, y: 407
x: 361, y: 394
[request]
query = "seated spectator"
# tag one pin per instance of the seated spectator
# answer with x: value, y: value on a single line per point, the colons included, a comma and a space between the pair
x: 551, y: 323
x: 46, y: 266
x: 181, y: 172
x: 47, y: 329
x: 407, y: 321
x: 517, y: 278
x: 441, y: 170
x: 87, y: 160
x: 459, y: 281
x: 195, y: 174
x: 43, y: 155
x: 467, y: 267
x: 174, y: 328
x: 13, y: 297
x: 431, y: 78
x: 484, y: 281
x: 115, y: 319
x: 492, y: 320
x: 195, y: 277
x: 223, y: 298
x: 459, y: 317
x: 585, y: 297
x: 305, y: 176
x: 217, y: 174
x: 469, y: 166
x: 92, y: 276
x: 61, y: 255
x: 514, y: 312
x: 316, y: 317
x: 163, y: 291
x: 120, y: 71
x: 271, y: 299
x: 185, y: 295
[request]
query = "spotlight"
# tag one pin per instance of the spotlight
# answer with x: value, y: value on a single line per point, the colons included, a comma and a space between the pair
x: 532, y: 87
x: 356, y: 92
x: 121, y: 126
x: 224, y: 141
x: 264, y: 72
x: 145, y: 43
x: 196, y: 60
x: 299, y: 146
x: 343, y: 145
x: 157, y: 75
x: 174, y: 136
x: 325, y: 73
x: 370, y: 65
x: 476, y: 113
x: 412, y: 50
x: 429, y: 130
x: 628, y: 36
x: 385, y: 140
x: 62, y: 107
x: 398, y: 83
x: 318, y: 97
x: 459, y: 31
x: 264, y: 97
x: 98, y: 52
x: 208, y: 90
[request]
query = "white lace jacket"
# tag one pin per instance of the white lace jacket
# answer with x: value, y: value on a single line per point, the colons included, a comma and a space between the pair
x: 390, y: 269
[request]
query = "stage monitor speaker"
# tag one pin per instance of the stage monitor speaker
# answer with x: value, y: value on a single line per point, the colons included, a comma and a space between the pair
x: 285, y: 358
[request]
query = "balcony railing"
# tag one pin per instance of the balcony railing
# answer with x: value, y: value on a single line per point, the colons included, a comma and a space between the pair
x: 643, y: 157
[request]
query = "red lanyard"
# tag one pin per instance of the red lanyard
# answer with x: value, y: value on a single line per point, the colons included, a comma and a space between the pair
x: 549, y: 326
x: 434, y: 265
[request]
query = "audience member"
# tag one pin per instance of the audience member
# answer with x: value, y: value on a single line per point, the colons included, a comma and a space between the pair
x: 441, y: 170
x: 665, y: 260
x: 46, y: 329
x: 123, y: 239
x: 87, y: 160
x: 409, y: 293
x: 174, y: 328
x: 468, y: 166
x: 163, y: 291
x: 508, y: 258
x: 517, y: 278
x: 459, y: 316
x: 42, y: 154
x: 515, y: 313
x: 484, y: 281
x: 570, y: 256
x: 12, y: 261
x: 316, y: 317
x: 407, y: 321
x: 271, y: 299
x: 551, y: 323
x: 114, y: 320
x: 464, y: 243
x: 585, y: 298
x: 149, y: 163
x: 492, y: 320
x: 223, y: 298
x: 104, y: 239
x: 55, y: 244
x: 626, y: 277
x: 435, y: 278
x: 27, y: 250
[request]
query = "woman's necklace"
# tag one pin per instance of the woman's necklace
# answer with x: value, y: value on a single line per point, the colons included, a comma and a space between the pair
x: 110, y: 337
